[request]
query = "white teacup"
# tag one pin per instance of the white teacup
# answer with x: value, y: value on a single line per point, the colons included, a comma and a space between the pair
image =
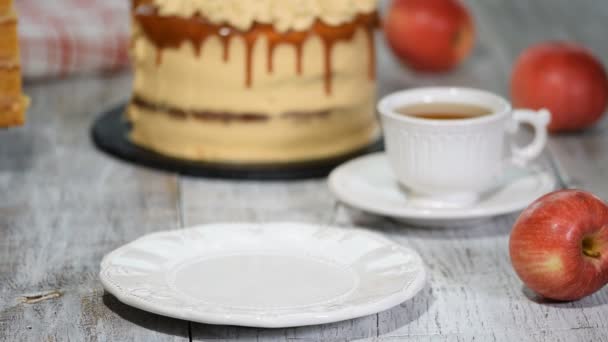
x: 454, y: 161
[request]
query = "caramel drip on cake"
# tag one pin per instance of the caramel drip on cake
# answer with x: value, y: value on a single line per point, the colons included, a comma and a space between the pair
x: 135, y: 3
x: 226, y: 45
x: 295, y: 38
x: 170, y: 32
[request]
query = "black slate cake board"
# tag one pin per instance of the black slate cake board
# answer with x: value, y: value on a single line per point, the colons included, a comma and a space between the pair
x: 110, y: 134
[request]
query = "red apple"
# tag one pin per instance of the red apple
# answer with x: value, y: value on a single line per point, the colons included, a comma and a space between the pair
x: 559, y: 245
x: 564, y: 78
x: 430, y: 35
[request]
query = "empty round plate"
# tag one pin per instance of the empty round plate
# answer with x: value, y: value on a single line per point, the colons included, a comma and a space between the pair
x: 263, y: 275
x: 368, y: 183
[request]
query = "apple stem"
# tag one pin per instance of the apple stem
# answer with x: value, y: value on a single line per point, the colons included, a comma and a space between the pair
x: 592, y: 254
x: 457, y: 37
x: 590, y: 248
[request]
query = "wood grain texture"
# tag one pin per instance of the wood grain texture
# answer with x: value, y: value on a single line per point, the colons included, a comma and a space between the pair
x: 582, y: 159
x: 64, y: 205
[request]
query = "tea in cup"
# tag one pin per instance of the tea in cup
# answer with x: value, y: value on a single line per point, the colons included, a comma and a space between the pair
x: 449, y: 144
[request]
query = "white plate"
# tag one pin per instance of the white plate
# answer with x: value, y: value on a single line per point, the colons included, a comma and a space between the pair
x: 368, y: 183
x: 263, y: 275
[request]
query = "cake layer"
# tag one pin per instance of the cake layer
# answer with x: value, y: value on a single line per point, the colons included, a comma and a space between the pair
x: 6, y: 6
x: 13, y: 104
x: 8, y: 37
x: 189, y: 63
x: 10, y: 79
x: 12, y: 111
x: 280, y: 139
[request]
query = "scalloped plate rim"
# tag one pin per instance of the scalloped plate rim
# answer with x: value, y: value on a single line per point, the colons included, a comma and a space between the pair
x: 261, y: 321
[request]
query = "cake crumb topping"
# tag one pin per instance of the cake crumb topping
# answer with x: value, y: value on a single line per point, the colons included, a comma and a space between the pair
x: 284, y: 15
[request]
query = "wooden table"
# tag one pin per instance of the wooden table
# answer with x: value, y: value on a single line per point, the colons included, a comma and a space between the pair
x: 63, y: 205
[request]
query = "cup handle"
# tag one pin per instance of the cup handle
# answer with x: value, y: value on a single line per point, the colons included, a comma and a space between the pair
x: 539, y: 120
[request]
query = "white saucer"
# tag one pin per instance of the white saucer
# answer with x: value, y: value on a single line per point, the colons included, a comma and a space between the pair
x: 368, y: 183
x: 263, y: 275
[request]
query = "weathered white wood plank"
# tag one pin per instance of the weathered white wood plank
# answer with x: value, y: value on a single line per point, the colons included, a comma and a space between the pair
x: 473, y: 289
x: 63, y: 206
x: 582, y: 159
x: 555, y: 335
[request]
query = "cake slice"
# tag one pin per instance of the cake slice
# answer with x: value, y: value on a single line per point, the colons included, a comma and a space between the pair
x: 12, y: 102
x: 6, y: 6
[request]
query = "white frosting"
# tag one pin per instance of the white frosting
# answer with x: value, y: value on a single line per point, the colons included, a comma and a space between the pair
x: 285, y: 15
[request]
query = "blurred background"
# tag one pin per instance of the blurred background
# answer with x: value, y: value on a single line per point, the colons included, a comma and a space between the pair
x: 69, y: 37
x: 63, y: 38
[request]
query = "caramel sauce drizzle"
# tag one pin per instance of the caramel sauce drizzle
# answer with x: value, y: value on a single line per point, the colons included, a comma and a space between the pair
x: 136, y: 3
x: 170, y: 32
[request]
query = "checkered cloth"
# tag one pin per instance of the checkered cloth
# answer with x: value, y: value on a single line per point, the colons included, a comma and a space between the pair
x: 65, y: 37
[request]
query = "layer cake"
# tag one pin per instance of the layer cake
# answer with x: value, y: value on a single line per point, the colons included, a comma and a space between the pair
x: 12, y: 103
x: 254, y: 81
